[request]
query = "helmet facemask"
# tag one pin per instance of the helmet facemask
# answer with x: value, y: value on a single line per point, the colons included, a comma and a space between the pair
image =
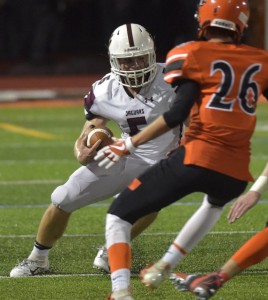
x: 134, y: 78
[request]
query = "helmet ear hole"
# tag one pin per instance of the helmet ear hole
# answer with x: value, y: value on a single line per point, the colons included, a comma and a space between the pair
x: 129, y: 41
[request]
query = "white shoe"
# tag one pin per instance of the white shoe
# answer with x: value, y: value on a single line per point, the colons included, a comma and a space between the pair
x: 154, y: 275
x: 30, y: 267
x: 101, y: 260
x: 121, y: 295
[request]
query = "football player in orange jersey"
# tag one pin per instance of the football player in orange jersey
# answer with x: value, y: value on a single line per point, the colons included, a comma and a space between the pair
x: 218, y: 82
x: 254, y: 251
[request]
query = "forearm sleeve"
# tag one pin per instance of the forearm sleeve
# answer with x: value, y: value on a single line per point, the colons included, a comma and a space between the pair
x: 265, y: 94
x: 186, y: 94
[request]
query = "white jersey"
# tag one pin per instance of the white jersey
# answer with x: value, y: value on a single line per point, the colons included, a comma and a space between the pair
x: 90, y: 184
x: 109, y: 99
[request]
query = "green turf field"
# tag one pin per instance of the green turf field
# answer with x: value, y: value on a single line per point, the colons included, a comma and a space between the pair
x: 36, y: 156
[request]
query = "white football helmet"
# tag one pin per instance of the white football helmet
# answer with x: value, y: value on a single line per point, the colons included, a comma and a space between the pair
x: 132, y: 40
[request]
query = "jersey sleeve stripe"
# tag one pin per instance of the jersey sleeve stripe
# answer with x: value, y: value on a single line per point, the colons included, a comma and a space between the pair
x: 169, y: 78
x: 176, y: 57
x: 89, y: 99
x: 174, y: 66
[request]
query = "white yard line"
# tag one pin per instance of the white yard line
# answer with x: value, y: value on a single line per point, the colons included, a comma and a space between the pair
x: 29, y: 182
x: 33, y: 161
x: 104, y: 275
x: 101, y: 204
x: 15, y: 236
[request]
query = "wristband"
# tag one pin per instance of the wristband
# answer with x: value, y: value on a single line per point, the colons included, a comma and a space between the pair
x: 130, y: 147
x: 260, y: 185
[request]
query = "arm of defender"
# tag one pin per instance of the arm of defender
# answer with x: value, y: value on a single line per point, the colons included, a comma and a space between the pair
x: 186, y: 95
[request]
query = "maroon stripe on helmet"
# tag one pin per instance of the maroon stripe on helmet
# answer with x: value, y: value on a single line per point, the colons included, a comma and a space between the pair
x: 130, y: 36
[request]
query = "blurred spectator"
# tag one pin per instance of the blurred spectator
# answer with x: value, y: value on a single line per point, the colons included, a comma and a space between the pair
x: 47, y: 23
x: 33, y: 29
x: 170, y: 21
x: 175, y: 23
x: 114, y: 13
x: 40, y: 32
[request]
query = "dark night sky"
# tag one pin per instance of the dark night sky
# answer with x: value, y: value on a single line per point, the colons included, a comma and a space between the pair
x: 66, y: 36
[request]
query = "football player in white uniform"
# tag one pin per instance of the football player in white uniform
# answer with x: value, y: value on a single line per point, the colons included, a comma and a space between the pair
x: 133, y: 94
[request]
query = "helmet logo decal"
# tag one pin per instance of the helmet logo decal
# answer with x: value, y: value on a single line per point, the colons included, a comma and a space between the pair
x: 132, y: 49
x: 223, y: 24
x: 130, y: 36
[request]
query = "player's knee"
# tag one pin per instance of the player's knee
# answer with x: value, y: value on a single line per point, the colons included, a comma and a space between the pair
x: 61, y: 198
x: 117, y: 230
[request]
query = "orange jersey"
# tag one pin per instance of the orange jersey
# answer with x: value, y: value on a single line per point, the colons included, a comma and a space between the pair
x: 222, y: 121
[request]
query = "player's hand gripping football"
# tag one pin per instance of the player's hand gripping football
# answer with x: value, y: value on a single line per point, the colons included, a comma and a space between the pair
x: 109, y: 155
x: 83, y: 153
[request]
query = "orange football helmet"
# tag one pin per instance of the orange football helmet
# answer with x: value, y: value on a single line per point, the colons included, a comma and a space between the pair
x: 228, y: 14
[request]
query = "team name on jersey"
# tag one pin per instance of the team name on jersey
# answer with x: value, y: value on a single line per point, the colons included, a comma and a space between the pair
x: 134, y: 112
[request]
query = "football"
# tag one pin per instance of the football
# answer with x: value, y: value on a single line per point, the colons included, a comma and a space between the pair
x: 99, y: 133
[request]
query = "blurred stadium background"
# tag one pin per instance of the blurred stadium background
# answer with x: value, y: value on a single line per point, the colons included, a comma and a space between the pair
x: 59, y: 47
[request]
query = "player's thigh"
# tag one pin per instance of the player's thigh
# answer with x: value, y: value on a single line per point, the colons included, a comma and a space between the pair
x: 135, y: 166
x: 161, y: 185
x: 171, y: 180
x: 85, y: 187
